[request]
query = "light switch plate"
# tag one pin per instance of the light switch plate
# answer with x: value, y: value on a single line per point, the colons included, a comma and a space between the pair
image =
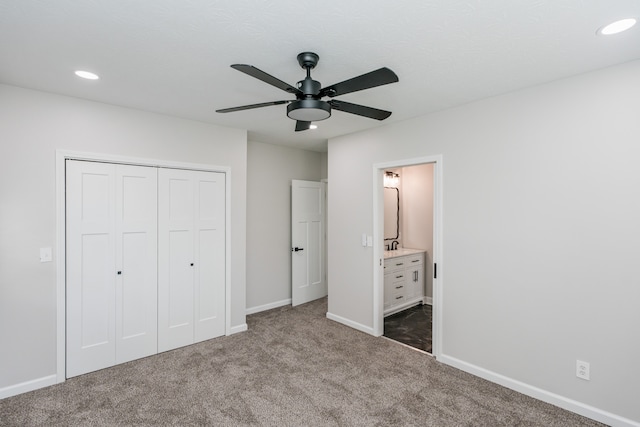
x: 45, y: 255
x: 364, y: 239
x: 369, y: 241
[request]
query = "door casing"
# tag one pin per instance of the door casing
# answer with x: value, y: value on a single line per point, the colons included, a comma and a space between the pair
x: 378, y: 239
x: 318, y: 289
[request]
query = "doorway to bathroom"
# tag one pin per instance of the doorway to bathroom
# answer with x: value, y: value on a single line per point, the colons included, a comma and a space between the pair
x: 407, y: 214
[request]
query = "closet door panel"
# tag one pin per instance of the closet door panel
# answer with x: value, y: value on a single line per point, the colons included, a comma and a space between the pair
x: 136, y: 286
x: 180, y: 291
x: 210, y: 255
x: 176, y: 258
x: 91, y: 269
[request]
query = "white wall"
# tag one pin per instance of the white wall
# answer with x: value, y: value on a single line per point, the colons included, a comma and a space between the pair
x: 417, y: 214
x: 541, y: 231
x: 32, y: 126
x: 270, y: 169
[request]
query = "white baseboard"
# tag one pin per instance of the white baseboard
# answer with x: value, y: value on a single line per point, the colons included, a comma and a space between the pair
x: 237, y: 329
x: 259, y: 308
x: 402, y: 307
x: 428, y: 300
x: 350, y: 323
x: 26, y: 386
x: 540, y: 394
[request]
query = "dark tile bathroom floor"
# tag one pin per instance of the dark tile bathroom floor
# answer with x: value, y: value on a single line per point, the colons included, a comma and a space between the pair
x: 411, y: 326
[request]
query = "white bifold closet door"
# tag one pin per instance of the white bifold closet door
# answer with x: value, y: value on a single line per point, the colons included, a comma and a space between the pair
x: 191, y: 257
x: 111, y: 264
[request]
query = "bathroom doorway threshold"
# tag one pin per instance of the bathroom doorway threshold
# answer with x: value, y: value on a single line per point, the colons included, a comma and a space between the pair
x: 412, y: 327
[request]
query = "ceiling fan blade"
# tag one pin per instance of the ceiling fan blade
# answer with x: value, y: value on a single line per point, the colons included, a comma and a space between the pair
x: 360, y: 110
x: 267, y: 78
x: 300, y: 125
x: 375, y: 78
x: 249, y: 107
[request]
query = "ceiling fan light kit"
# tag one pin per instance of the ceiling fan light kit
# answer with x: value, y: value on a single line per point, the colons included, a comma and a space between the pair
x: 309, y: 110
x: 308, y: 106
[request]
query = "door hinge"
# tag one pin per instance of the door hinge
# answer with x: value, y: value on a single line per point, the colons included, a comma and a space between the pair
x: 435, y: 270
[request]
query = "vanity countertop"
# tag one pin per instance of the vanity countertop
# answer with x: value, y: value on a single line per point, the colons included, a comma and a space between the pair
x: 401, y: 252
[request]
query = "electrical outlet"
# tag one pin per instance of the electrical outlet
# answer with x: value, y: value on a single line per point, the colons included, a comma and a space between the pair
x: 582, y: 369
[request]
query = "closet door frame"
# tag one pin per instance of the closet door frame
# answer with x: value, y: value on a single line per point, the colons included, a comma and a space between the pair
x: 61, y: 157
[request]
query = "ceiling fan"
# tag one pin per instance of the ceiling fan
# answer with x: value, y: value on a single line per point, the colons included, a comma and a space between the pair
x: 308, y: 106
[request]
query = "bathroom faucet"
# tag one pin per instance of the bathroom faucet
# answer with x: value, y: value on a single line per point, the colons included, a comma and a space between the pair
x: 394, y: 245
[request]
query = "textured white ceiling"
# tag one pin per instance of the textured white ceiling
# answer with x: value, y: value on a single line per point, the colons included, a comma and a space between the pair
x: 173, y: 57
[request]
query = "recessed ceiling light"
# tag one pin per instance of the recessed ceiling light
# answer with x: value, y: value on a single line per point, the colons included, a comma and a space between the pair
x: 87, y: 75
x: 617, y: 27
x: 313, y: 127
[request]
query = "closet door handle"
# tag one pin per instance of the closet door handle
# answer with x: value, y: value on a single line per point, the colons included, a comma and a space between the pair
x: 119, y: 272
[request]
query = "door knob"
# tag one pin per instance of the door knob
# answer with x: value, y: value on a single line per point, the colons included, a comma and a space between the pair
x: 297, y: 249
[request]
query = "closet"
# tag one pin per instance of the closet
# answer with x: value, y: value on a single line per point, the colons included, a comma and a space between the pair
x: 145, y: 261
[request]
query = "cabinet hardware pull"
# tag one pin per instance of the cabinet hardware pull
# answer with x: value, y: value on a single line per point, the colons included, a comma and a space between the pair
x: 399, y: 277
x: 398, y: 287
x: 400, y: 263
x: 400, y: 297
x: 416, y: 260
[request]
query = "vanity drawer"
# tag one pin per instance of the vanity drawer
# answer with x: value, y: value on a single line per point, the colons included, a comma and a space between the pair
x: 393, y: 264
x: 396, y: 276
x: 416, y: 259
x: 398, y: 298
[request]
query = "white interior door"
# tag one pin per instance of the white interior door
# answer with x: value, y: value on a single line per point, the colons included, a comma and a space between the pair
x: 91, y: 266
x: 192, y: 241
x: 175, y: 258
x: 136, y: 261
x: 209, y: 244
x: 111, y: 264
x: 308, y: 278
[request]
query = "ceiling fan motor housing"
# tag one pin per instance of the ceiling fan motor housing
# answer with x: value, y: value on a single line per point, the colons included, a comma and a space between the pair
x: 309, y: 87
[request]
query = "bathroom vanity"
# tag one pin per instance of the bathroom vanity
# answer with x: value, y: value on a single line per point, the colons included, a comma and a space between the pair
x: 403, y: 279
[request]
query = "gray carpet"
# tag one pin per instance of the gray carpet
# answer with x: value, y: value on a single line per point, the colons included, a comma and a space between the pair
x: 293, y: 367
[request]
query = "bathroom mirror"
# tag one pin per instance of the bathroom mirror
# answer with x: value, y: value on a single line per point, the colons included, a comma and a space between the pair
x: 391, y: 213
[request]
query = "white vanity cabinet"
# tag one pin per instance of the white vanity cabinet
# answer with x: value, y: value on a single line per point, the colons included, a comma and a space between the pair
x: 403, y: 279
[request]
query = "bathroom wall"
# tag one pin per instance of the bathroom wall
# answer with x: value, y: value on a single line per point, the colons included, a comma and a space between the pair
x: 416, y: 210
